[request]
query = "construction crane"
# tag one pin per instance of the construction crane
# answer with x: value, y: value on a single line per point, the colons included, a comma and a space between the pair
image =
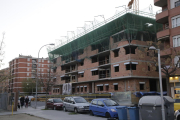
x: 135, y: 4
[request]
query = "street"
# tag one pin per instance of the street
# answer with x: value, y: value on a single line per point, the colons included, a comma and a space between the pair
x: 39, y: 104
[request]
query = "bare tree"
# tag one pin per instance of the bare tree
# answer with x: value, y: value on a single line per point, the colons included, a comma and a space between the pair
x: 29, y: 85
x: 168, y: 65
x: 47, y: 80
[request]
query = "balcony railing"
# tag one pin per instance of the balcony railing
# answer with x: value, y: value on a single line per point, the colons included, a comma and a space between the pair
x: 104, y: 75
x: 177, y: 3
x: 103, y: 62
x: 160, y: 11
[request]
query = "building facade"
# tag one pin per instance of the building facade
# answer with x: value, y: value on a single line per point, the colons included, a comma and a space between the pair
x: 169, y: 16
x: 23, y: 68
x: 110, y: 58
x: 4, y: 80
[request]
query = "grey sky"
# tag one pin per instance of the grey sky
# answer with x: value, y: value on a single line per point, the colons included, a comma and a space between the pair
x: 30, y: 24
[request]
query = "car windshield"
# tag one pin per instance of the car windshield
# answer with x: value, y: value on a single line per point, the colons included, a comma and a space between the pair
x: 177, y: 100
x: 110, y: 103
x: 57, y: 100
x: 80, y: 100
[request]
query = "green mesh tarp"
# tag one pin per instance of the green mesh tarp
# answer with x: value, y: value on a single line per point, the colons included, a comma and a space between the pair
x: 129, y: 23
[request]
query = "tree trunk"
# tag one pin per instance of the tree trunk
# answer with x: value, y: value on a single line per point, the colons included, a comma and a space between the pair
x: 167, y: 85
x: 46, y: 101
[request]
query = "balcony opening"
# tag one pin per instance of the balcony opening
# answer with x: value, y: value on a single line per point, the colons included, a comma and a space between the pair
x: 176, y: 4
x: 100, y: 87
x: 94, y: 59
x: 104, y: 60
x: 62, y: 68
x: 116, y: 53
x: 81, y: 63
x: 104, y: 73
x: 115, y: 86
x: 73, y: 67
x: 73, y: 77
x: 82, y: 89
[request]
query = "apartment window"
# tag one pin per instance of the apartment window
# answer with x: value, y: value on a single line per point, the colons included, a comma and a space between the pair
x: 85, y: 88
x: 116, y: 69
x: 42, y: 60
x: 48, y: 61
x: 115, y: 86
x: 100, y: 87
x: 42, y: 65
x: 130, y: 65
x: 58, y: 90
x: 27, y: 69
x: 39, y: 70
x: 81, y: 75
x: 81, y: 88
x: 42, y: 70
x: 141, y: 85
x: 39, y: 60
x: 39, y: 65
x: 94, y: 72
x: 175, y: 21
x: 94, y: 59
x: 28, y: 59
x: 176, y: 41
x: 27, y: 74
x: 28, y: 64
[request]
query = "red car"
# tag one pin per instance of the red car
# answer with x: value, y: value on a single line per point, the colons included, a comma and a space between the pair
x: 55, y: 103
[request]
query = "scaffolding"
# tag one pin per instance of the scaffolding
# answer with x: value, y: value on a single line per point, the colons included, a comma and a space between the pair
x: 125, y: 25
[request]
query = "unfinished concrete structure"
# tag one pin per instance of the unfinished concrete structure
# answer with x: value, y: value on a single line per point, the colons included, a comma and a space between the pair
x: 108, y: 57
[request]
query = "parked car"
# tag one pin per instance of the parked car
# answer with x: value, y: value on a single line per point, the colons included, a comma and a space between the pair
x: 104, y: 107
x: 55, y: 103
x: 76, y: 104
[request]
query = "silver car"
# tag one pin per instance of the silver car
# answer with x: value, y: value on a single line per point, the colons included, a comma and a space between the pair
x: 76, y: 104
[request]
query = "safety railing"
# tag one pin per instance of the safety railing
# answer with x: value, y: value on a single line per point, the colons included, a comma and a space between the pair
x: 104, y: 62
x: 104, y: 75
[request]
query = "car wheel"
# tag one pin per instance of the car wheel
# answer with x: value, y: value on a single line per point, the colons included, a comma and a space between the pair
x: 91, y: 113
x: 108, y: 115
x: 75, y: 110
x: 54, y: 108
x: 64, y: 109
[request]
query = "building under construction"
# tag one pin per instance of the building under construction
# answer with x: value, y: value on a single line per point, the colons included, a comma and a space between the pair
x: 110, y: 56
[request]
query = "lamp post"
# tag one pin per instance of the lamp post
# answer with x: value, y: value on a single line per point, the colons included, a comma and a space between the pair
x: 37, y: 72
x: 160, y: 81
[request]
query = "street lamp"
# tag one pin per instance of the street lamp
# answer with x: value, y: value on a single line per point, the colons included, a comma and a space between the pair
x: 37, y: 71
x: 160, y: 81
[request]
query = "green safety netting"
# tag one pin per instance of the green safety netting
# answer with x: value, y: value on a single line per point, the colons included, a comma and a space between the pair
x: 128, y: 24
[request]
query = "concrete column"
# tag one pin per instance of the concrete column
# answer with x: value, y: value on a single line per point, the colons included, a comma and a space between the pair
x: 93, y: 87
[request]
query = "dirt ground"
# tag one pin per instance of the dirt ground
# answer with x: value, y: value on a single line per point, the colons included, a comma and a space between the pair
x: 20, y: 117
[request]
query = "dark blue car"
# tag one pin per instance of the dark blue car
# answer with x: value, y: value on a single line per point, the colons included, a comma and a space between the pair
x: 104, y: 107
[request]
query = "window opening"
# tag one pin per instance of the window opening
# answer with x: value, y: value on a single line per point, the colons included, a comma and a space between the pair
x: 116, y: 69
x: 107, y: 88
x: 94, y: 72
x: 116, y: 53
x: 81, y: 89
x: 115, y: 87
x: 85, y: 89
x: 100, y: 88
x: 141, y: 86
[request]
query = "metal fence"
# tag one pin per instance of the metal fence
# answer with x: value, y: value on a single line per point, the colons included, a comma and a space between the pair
x: 3, y: 101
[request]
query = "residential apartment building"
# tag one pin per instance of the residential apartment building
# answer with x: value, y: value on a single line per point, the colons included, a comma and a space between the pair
x: 4, y: 80
x: 110, y: 56
x: 24, y: 67
x: 169, y: 16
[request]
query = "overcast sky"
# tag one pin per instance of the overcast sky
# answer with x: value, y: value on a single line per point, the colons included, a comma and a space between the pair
x: 30, y: 24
